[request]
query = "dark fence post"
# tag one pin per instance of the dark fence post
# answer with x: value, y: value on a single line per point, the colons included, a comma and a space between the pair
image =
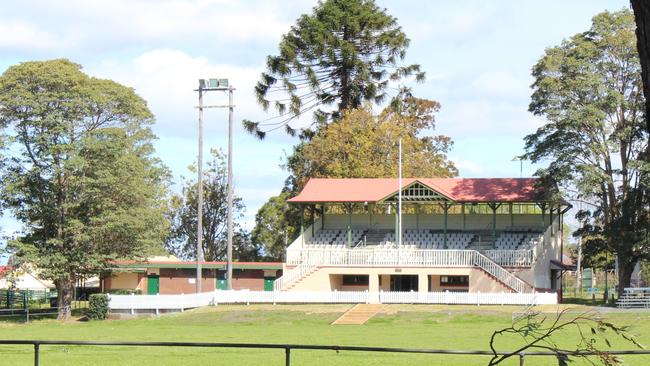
x: 287, y: 356
x: 36, y: 347
x: 521, y: 358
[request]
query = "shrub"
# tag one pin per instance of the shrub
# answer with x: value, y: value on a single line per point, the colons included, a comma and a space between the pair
x: 98, y: 307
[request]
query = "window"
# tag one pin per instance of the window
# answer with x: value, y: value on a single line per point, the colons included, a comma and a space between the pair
x: 355, y: 280
x: 454, y: 280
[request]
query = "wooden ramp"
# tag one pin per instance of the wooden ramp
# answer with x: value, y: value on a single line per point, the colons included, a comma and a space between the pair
x: 359, y: 314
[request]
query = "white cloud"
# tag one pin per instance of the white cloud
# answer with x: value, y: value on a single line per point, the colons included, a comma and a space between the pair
x: 113, y: 25
x: 467, y: 168
x: 501, y: 84
x: 448, y: 23
x: 19, y: 34
x: 167, y: 79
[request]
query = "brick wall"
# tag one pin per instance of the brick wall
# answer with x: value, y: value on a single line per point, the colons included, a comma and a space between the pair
x: 182, y: 281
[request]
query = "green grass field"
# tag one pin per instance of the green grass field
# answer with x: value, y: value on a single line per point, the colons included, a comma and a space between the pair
x: 416, y: 326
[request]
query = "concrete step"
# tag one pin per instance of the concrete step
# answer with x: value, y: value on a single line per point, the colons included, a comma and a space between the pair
x: 358, y: 314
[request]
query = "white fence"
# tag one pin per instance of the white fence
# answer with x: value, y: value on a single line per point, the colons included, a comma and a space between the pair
x: 156, y: 303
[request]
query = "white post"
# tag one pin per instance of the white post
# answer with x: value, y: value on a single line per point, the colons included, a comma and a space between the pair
x: 399, y: 195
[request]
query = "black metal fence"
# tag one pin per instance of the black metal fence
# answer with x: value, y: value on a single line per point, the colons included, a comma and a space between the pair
x: 288, y: 348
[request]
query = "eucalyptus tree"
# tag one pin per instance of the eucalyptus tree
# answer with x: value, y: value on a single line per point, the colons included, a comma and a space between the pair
x: 79, y: 172
x: 182, y: 213
x: 589, y: 89
x: 344, y: 53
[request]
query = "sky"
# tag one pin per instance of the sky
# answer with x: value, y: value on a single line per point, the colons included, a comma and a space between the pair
x: 477, y: 55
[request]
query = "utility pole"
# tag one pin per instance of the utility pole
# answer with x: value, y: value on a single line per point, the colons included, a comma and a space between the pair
x: 220, y: 85
x: 199, y: 209
x: 229, y: 223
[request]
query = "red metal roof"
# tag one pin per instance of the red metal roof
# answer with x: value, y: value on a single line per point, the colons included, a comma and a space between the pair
x: 172, y: 264
x: 323, y: 190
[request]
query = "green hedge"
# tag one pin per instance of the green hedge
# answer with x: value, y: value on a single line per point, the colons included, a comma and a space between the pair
x: 98, y: 307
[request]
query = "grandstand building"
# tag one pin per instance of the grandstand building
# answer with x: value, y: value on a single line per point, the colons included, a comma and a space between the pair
x: 461, y: 235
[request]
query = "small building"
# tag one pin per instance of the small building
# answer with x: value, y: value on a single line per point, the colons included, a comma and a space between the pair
x: 23, y: 278
x: 167, y: 277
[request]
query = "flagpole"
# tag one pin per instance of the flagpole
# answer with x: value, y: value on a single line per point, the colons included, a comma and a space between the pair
x: 399, y: 195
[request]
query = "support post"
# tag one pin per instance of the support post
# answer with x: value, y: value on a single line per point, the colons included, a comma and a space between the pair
x: 349, y: 207
x: 396, y: 228
x: 302, y: 223
x: 322, y: 217
x: 462, y: 209
x: 287, y: 356
x: 199, y: 216
x: 312, y: 210
x: 229, y: 225
x: 543, y: 207
x: 445, y: 207
x: 550, y: 218
x: 417, y: 216
x: 512, y: 215
x: 494, y: 223
x: 36, y: 353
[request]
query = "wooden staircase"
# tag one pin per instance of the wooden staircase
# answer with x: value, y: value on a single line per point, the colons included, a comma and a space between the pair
x: 359, y: 314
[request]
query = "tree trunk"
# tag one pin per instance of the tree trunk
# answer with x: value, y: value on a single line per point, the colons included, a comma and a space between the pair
x: 65, y: 290
x: 642, y: 19
x: 625, y: 268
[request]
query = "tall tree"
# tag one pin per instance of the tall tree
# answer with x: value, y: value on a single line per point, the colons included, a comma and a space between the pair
x: 642, y: 19
x: 344, y: 53
x: 364, y: 145
x: 80, y: 174
x: 589, y: 89
x: 276, y: 225
x: 360, y: 144
x: 183, y: 216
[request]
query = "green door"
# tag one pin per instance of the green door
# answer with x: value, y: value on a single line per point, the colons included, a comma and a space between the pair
x: 221, y: 283
x: 153, y: 284
x: 268, y: 283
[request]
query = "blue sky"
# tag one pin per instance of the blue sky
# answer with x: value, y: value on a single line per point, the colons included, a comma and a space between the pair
x: 477, y: 55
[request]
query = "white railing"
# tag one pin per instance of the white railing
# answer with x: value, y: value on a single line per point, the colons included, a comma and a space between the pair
x: 157, y: 303
x: 511, y: 258
x: 309, y: 259
x: 382, y: 257
x: 290, y: 276
x: 475, y: 298
x: 500, y: 273
x: 424, y: 257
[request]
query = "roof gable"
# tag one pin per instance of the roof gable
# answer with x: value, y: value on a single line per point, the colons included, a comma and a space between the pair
x: 350, y: 190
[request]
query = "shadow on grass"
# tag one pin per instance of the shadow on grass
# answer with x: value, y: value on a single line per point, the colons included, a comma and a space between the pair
x: 20, y: 316
x: 587, y: 301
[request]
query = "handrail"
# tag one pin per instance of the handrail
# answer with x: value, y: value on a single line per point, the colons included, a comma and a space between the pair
x: 291, y: 276
x: 500, y: 273
x: 317, y: 347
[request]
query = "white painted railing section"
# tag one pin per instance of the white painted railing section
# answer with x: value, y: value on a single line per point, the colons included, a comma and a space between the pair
x: 182, y: 302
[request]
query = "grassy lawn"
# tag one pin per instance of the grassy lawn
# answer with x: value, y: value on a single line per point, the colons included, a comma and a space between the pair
x: 416, y: 326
